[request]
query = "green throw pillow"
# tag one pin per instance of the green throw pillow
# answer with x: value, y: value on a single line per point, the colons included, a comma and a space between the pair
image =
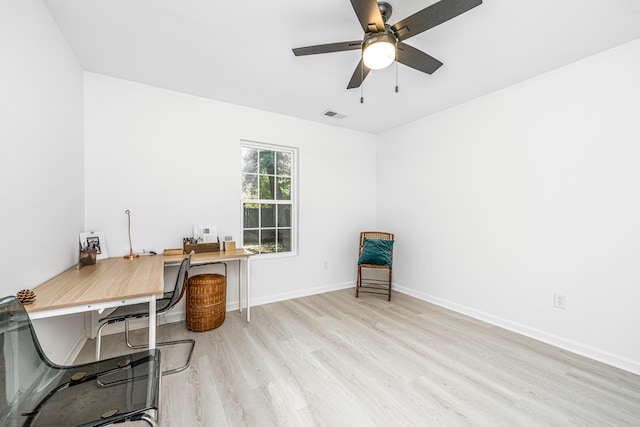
x: 376, y: 252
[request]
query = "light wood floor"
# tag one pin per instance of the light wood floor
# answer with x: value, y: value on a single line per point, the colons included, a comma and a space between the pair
x: 333, y: 360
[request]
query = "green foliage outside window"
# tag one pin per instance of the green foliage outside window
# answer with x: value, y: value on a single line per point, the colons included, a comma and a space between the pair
x: 267, y: 200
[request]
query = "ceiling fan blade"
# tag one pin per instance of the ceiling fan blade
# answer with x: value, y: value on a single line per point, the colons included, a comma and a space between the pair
x: 431, y: 16
x: 415, y: 58
x: 369, y: 15
x: 358, y: 76
x: 327, y: 48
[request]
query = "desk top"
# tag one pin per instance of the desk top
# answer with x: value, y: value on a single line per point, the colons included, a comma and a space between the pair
x: 109, y: 279
x: 200, y: 257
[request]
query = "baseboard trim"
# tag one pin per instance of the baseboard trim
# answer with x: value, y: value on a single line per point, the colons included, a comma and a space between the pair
x: 234, y: 305
x: 303, y: 293
x: 539, y: 335
x: 75, y: 350
x: 565, y: 344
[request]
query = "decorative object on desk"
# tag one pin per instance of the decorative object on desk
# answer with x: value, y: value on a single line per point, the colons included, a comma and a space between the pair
x: 191, y: 244
x: 88, y: 257
x: 131, y: 254
x: 172, y: 252
x: 94, y: 240
x: 206, y: 302
x: 229, y: 244
x: 205, y: 233
x: 26, y: 296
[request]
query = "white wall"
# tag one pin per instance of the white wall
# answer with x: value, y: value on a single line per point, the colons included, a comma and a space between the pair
x: 524, y: 193
x: 41, y: 172
x: 174, y: 161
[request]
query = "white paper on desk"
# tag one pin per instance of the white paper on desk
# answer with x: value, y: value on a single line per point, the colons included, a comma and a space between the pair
x: 205, y: 233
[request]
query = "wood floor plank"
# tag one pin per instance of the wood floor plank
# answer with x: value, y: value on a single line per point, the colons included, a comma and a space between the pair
x: 334, y: 360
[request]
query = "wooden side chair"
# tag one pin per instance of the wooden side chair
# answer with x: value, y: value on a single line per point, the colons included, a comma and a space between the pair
x: 34, y: 391
x: 375, y: 252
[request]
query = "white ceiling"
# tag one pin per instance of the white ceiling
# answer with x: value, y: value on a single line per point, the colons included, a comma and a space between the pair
x: 240, y: 51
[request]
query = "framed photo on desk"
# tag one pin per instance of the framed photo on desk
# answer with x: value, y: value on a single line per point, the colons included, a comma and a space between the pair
x: 95, y: 240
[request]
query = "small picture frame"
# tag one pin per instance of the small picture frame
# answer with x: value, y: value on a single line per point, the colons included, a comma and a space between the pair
x: 94, y: 240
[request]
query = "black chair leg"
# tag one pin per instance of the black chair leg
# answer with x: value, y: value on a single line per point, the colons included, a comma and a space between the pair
x: 192, y: 344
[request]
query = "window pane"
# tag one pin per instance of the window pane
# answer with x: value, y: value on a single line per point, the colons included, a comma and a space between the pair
x: 251, y: 240
x: 283, y: 163
x: 266, y: 187
x: 250, y: 214
x: 268, y: 241
x: 284, y: 240
x: 267, y: 162
x: 249, y: 160
x: 283, y: 190
x: 249, y: 186
x: 268, y: 215
x: 284, y: 215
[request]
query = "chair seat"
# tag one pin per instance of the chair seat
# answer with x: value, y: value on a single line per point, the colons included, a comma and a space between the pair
x: 136, y: 310
x: 99, y: 397
x: 374, y: 266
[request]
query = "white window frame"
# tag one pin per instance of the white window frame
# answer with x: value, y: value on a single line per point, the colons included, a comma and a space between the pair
x: 294, y: 195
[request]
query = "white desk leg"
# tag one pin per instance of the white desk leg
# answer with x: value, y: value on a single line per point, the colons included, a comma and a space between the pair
x: 152, y: 322
x: 246, y: 277
x: 240, y: 281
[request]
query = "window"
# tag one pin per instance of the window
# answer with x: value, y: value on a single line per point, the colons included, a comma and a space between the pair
x: 268, y: 201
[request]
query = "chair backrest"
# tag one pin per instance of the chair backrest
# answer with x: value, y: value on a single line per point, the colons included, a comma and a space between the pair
x: 24, y: 368
x: 381, y: 235
x: 178, y: 291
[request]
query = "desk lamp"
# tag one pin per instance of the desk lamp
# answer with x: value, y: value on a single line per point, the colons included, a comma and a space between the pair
x: 131, y: 254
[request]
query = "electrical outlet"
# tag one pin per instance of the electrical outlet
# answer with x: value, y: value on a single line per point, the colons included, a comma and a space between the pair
x: 560, y: 301
x: 326, y: 265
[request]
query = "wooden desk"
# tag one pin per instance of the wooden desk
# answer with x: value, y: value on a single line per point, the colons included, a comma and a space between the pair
x: 109, y: 283
x: 240, y: 255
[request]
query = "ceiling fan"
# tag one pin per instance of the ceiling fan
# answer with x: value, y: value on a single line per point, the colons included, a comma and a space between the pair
x: 383, y: 43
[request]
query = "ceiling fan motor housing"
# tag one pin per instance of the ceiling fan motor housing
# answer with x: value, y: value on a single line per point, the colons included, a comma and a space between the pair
x: 385, y: 10
x: 386, y: 37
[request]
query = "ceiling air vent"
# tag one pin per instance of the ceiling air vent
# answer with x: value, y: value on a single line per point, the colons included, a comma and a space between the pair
x: 333, y: 114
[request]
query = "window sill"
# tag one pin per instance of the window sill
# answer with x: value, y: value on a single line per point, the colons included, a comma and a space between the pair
x: 277, y: 255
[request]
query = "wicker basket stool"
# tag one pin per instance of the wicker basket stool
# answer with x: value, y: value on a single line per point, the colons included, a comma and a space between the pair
x: 206, y: 302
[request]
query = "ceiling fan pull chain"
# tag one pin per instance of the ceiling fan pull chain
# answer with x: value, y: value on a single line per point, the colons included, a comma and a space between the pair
x: 396, y: 74
x: 362, y: 82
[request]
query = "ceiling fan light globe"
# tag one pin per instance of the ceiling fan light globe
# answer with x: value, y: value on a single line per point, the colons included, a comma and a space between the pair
x: 379, y: 50
x: 379, y: 54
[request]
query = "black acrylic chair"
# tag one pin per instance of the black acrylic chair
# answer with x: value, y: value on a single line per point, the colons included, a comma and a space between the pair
x: 37, y: 392
x: 139, y: 311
